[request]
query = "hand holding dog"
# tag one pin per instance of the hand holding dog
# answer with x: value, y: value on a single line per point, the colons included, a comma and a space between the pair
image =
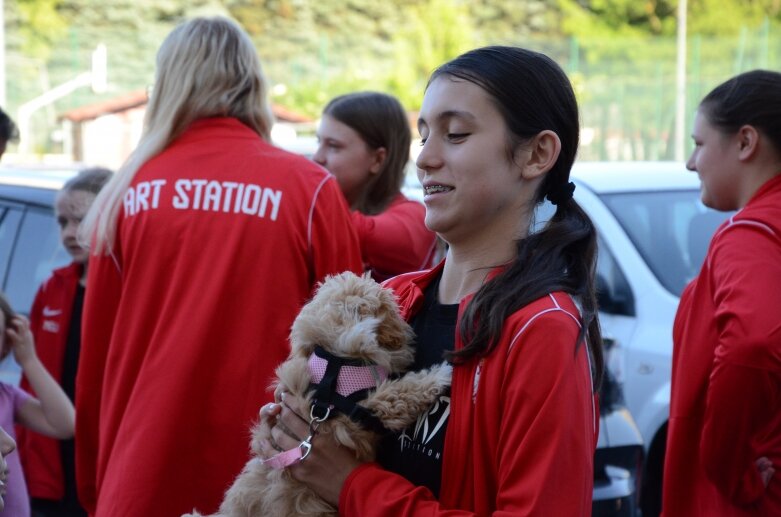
x: 354, y: 322
x: 327, y: 466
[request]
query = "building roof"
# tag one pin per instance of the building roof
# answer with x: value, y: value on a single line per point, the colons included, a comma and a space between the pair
x: 118, y: 104
x: 139, y: 98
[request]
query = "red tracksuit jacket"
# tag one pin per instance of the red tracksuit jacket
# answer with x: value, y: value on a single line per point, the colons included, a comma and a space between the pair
x: 397, y: 240
x: 49, y: 321
x: 725, y: 409
x: 523, y: 424
x: 221, y: 238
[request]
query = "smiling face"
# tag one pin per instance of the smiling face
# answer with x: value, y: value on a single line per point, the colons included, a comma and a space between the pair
x: 70, y: 208
x: 348, y: 157
x: 471, y: 186
x: 715, y: 160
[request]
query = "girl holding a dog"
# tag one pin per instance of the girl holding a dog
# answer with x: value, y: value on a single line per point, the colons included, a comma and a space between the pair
x: 514, y: 311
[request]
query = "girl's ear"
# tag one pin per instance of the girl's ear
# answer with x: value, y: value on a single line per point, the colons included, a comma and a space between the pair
x: 748, y: 142
x: 379, y: 159
x: 543, y: 151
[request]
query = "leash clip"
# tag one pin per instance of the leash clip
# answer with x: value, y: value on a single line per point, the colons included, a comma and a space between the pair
x: 305, y: 447
x: 314, y: 423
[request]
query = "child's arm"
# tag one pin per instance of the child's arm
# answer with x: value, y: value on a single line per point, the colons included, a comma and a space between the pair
x: 51, y: 413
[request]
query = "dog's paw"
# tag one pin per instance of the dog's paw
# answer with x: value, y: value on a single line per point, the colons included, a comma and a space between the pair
x: 441, y: 374
x: 398, y: 403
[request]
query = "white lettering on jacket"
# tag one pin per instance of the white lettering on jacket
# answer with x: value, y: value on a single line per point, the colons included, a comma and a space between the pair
x: 205, y: 195
x: 137, y: 198
x: 51, y: 326
x: 227, y: 197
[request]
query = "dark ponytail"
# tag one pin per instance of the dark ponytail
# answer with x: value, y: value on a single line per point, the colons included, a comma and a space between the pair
x: 533, y: 94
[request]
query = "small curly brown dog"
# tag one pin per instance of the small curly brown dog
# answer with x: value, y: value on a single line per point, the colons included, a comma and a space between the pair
x: 350, y: 330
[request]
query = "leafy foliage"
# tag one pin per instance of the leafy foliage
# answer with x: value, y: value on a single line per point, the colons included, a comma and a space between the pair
x: 619, y: 53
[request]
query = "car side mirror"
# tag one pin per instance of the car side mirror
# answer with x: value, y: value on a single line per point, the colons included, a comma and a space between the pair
x: 614, y: 299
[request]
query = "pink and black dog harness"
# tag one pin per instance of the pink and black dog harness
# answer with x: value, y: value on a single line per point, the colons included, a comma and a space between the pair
x: 339, y: 385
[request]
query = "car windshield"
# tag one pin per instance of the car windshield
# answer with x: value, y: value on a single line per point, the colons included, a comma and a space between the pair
x: 670, y: 229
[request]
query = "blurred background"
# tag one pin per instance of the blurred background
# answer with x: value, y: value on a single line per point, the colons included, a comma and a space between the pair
x: 75, y: 74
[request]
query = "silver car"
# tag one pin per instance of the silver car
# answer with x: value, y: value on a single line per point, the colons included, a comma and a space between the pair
x: 653, y: 236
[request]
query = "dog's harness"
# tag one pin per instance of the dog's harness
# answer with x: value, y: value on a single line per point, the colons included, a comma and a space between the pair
x: 339, y: 385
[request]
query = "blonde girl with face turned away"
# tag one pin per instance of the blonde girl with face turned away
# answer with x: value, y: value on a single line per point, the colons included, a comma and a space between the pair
x: 204, y: 247
x: 364, y: 140
x: 49, y: 412
x: 514, y: 312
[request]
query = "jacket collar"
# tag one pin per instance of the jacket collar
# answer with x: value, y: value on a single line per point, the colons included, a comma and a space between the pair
x: 770, y: 186
x: 72, y: 270
x: 409, y: 289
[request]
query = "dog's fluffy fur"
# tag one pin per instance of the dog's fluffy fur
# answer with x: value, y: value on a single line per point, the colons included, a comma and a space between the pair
x: 351, y: 317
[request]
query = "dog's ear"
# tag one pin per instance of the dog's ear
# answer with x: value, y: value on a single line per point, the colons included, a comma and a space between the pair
x: 393, y: 332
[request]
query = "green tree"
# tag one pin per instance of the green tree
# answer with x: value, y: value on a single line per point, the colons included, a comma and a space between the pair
x: 436, y: 31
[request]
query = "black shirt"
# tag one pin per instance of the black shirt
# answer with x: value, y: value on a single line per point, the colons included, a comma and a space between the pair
x: 416, y: 453
x: 73, y: 345
x: 70, y: 503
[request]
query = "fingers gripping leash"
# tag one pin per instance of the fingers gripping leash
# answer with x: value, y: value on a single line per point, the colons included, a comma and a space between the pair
x: 299, y: 453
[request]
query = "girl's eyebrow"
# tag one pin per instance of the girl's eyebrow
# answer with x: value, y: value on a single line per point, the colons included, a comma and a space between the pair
x: 446, y: 115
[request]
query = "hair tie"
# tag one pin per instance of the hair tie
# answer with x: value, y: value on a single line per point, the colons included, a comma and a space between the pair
x: 561, y: 193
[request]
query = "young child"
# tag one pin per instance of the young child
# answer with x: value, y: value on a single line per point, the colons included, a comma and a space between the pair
x: 55, y: 321
x: 51, y: 413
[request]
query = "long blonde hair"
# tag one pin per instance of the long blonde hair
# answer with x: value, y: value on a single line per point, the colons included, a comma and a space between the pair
x: 206, y: 67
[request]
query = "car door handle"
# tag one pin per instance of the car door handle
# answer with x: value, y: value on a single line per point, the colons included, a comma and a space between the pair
x: 645, y: 369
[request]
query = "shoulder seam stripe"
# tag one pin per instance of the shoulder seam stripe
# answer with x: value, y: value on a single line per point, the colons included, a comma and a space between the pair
x: 312, y: 212
x: 747, y: 222
x: 526, y: 325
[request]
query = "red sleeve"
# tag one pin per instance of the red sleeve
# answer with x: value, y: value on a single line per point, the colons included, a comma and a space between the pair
x: 334, y: 244
x: 546, y: 461
x: 743, y: 396
x: 100, y: 309
x: 370, y: 491
x: 546, y: 467
x: 397, y: 240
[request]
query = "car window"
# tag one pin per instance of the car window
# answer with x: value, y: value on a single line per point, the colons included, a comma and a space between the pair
x: 9, y: 224
x: 37, y: 252
x: 670, y: 229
